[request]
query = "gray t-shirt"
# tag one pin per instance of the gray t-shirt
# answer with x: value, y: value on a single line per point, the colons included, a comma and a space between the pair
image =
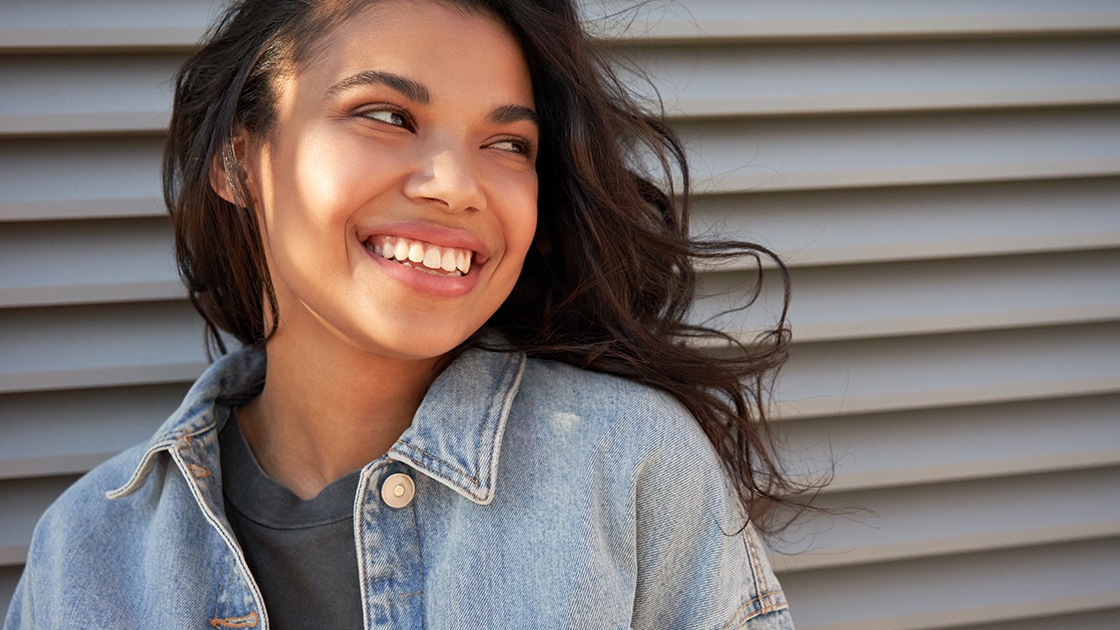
x: 301, y: 553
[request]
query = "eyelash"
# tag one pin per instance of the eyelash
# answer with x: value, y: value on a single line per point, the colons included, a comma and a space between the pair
x: 520, y: 146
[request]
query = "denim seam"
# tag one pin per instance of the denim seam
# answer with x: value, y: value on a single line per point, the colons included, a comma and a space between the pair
x: 756, y: 586
x: 756, y: 569
x: 143, y: 468
x: 420, y: 561
x: 737, y: 622
x: 242, y: 621
x: 442, y: 462
x: 439, y: 475
x: 359, y: 519
x: 212, y: 519
x: 498, y: 410
x: 759, y: 569
x: 225, y: 577
x: 245, y: 621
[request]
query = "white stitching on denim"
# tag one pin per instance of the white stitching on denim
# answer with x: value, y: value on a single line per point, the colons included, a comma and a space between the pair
x: 420, y: 561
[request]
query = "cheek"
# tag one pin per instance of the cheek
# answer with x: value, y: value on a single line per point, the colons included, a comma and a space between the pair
x: 522, y: 222
x: 319, y: 180
x: 300, y: 216
x: 529, y: 232
x: 325, y: 175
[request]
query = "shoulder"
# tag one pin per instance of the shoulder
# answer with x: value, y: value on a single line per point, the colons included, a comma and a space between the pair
x: 645, y: 430
x: 645, y: 459
x: 78, y: 518
x: 142, y: 470
x: 596, y: 390
x: 85, y: 500
x: 75, y: 538
x: 604, y: 407
x: 632, y: 438
x: 608, y: 439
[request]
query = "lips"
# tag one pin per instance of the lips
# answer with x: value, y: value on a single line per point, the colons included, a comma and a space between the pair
x: 435, y: 259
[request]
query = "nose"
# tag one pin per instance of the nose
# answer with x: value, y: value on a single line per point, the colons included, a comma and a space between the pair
x: 445, y: 174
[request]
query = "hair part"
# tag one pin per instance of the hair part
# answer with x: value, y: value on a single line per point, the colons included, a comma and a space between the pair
x: 610, y: 278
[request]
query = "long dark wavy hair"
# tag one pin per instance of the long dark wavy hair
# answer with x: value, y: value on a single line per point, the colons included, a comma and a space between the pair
x: 610, y: 278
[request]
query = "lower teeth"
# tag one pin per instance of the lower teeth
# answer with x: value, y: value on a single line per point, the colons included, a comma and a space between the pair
x: 431, y: 272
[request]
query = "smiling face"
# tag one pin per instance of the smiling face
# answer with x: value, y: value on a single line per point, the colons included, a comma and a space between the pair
x: 397, y: 191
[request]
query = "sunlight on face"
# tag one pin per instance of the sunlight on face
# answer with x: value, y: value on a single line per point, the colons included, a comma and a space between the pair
x: 398, y: 194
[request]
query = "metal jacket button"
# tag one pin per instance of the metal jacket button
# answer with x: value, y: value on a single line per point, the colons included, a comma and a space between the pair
x: 398, y: 490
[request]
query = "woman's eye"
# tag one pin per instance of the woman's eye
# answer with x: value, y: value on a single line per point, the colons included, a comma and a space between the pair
x: 512, y: 146
x: 387, y: 116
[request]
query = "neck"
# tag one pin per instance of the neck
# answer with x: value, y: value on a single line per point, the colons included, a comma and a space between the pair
x: 325, y: 413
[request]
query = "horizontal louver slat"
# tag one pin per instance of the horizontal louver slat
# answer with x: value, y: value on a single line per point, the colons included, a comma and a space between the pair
x: 99, y: 177
x: 908, y: 522
x: 800, y: 79
x: 867, y: 375
x: 956, y: 590
x: 96, y: 423
x: 927, y: 296
x: 75, y: 262
x: 920, y: 222
x: 54, y: 94
x: 1096, y: 620
x: 723, y: 20
x: 897, y: 150
x: 99, y: 346
x: 890, y: 449
x: 61, y: 25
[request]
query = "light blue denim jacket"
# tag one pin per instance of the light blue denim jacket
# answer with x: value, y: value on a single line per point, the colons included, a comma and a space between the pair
x: 606, y: 508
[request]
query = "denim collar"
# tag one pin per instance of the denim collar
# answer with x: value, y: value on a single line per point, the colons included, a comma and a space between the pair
x: 456, y: 434
x: 455, y: 437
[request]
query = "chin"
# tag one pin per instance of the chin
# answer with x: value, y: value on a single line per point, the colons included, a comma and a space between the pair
x: 411, y: 346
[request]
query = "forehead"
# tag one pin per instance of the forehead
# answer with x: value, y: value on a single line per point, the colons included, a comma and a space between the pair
x: 421, y: 37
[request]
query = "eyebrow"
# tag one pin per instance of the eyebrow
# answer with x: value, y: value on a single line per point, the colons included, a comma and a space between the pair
x: 413, y: 91
x: 507, y: 114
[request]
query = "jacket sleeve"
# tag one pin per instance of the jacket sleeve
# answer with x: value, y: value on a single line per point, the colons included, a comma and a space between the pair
x: 698, y: 566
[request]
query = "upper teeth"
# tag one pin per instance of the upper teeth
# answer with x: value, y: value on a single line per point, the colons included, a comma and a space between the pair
x: 448, y: 259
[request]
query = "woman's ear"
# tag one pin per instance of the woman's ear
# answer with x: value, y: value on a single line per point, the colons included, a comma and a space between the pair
x: 224, y: 171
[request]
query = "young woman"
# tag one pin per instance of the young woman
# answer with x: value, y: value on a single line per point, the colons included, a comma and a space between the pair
x: 465, y: 395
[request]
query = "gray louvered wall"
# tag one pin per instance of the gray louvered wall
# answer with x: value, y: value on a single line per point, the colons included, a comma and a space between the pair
x: 943, y: 178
